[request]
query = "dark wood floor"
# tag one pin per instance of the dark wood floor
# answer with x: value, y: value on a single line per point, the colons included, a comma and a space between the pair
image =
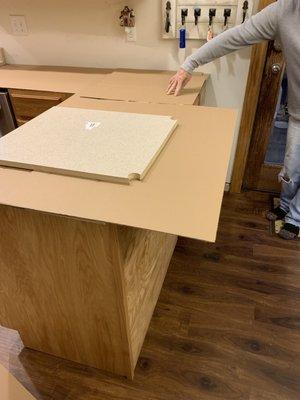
x: 227, y: 325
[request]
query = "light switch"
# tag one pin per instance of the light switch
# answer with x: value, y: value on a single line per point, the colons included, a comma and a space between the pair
x: 18, y: 25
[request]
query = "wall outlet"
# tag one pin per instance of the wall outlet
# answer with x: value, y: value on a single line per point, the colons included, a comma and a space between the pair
x: 131, y: 34
x: 18, y: 25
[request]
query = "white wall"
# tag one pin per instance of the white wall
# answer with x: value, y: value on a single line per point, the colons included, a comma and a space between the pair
x: 86, y: 33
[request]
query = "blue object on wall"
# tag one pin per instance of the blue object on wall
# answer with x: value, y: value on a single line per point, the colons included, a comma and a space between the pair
x: 182, y: 38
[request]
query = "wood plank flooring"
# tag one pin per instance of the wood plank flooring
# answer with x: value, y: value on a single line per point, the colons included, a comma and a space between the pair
x: 227, y: 324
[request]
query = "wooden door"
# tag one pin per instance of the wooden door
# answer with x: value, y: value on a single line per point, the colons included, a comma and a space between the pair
x: 261, y: 173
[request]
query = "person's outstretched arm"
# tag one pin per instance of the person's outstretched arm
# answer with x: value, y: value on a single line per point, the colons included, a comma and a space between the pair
x: 262, y: 26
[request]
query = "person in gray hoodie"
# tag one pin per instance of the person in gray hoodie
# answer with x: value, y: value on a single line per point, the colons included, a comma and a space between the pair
x: 279, y: 21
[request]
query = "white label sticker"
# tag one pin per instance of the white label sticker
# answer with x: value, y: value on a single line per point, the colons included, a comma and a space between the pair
x: 91, y: 125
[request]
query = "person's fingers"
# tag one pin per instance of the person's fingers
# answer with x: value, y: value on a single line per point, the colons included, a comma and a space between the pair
x: 182, y: 84
x: 173, y: 87
x: 172, y: 78
x: 178, y: 88
x: 178, y: 82
x: 170, y: 85
x: 170, y: 88
x: 171, y: 82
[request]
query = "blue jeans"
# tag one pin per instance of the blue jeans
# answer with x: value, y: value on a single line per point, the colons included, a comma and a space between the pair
x: 290, y: 175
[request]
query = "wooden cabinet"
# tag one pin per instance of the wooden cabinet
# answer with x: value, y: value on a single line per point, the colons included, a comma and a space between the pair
x: 114, y: 276
x: 28, y: 104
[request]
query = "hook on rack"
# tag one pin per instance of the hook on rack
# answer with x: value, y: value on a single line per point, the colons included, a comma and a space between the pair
x: 168, y: 18
x: 212, y: 14
x: 245, y: 10
x: 197, y: 15
x: 184, y: 14
x: 227, y: 13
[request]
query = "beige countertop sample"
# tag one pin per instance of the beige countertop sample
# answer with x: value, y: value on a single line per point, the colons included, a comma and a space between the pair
x: 52, y: 79
x: 181, y: 194
x: 96, y: 144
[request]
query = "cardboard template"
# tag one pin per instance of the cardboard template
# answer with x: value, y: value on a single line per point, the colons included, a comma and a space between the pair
x: 51, y: 79
x: 144, y: 87
x: 181, y: 194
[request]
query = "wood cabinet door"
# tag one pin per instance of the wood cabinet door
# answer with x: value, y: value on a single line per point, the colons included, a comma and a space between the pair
x: 266, y: 151
x: 28, y: 104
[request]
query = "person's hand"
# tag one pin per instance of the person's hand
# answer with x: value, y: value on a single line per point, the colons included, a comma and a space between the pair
x: 178, y: 82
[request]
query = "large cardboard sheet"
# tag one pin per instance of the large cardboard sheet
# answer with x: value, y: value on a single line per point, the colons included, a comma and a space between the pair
x: 52, y: 79
x: 129, y: 85
x: 181, y: 194
x: 144, y: 87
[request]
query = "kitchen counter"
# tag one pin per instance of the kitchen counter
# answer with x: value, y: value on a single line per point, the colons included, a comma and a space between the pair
x: 82, y: 261
x: 120, y: 84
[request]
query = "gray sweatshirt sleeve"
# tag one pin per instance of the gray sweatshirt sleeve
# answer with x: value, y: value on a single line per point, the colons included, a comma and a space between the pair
x: 262, y: 26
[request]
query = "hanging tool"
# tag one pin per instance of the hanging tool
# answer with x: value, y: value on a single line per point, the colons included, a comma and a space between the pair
x: 212, y: 14
x: 245, y: 9
x: 182, y: 38
x: 184, y: 14
x: 227, y: 13
x: 168, y: 18
x: 182, y: 30
x: 197, y: 15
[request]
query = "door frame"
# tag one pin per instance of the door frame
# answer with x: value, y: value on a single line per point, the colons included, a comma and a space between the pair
x: 256, y: 70
x: 260, y: 175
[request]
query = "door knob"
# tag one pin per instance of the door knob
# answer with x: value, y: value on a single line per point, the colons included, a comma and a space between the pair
x: 276, y: 68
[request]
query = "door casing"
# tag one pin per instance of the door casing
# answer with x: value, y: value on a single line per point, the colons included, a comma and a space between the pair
x: 252, y: 97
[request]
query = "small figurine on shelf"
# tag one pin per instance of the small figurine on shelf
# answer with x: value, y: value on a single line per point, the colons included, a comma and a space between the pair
x: 127, y: 17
